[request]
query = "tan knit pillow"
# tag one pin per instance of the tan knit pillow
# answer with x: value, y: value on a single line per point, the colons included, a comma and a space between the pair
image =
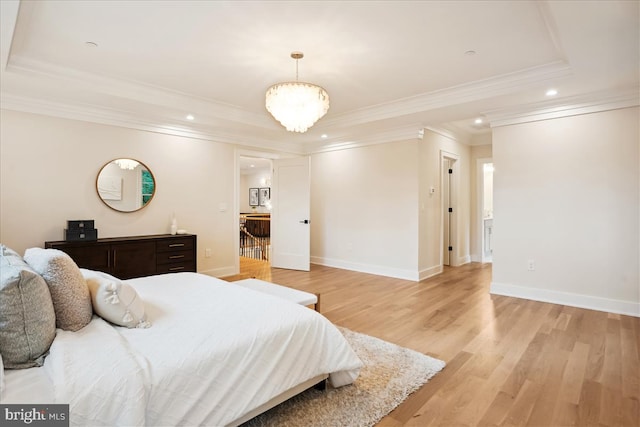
x: 69, y: 292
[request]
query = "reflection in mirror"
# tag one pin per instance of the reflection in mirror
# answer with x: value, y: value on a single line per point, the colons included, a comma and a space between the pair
x: 125, y: 185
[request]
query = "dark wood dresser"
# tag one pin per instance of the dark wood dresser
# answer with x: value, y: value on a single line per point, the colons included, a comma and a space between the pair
x: 136, y: 256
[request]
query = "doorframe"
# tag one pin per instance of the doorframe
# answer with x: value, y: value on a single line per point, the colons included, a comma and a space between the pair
x: 453, y: 197
x: 480, y: 204
x: 240, y: 152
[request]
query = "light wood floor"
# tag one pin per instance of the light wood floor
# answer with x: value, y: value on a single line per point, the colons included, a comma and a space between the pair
x: 509, y: 361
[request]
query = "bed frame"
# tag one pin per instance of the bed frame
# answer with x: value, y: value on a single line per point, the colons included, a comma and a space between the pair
x: 315, y: 381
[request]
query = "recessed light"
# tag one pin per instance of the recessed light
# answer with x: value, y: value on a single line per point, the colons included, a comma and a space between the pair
x: 252, y: 166
x: 190, y: 117
x: 552, y: 92
x: 477, y: 121
x: 324, y: 136
x: 91, y: 44
x: 470, y: 52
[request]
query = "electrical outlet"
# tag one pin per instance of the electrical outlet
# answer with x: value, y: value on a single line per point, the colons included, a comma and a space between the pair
x: 531, y: 265
x: 207, y: 253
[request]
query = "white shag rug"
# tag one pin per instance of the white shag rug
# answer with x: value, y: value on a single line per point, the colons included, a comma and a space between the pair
x: 390, y: 374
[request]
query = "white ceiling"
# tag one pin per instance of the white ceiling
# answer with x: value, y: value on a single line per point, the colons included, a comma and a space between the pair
x: 390, y: 67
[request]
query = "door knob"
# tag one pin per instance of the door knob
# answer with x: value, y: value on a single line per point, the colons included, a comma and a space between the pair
x: 304, y: 221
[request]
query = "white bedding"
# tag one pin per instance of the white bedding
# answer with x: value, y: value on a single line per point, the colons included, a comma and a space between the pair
x: 214, y: 352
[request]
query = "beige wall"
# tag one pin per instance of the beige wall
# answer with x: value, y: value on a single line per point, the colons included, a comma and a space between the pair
x: 48, y: 174
x: 364, y: 209
x: 432, y: 148
x: 567, y: 196
x: 372, y: 209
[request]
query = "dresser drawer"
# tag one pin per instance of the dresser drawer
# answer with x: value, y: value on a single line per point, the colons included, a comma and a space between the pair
x: 175, y: 257
x: 177, y: 267
x: 175, y: 244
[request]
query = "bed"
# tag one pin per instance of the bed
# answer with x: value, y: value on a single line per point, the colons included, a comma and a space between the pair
x: 215, y: 354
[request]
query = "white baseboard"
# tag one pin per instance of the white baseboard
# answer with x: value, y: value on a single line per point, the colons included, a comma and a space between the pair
x: 220, y: 272
x: 628, y: 308
x: 476, y: 258
x: 462, y: 260
x: 367, y: 268
x: 430, y: 272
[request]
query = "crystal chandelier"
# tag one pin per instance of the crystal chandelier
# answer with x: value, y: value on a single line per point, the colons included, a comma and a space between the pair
x: 297, y: 105
x: 127, y: 164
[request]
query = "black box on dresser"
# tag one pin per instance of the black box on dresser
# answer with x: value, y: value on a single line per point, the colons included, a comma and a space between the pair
x: 81, y: 234
x: 80, y: 224
x: 80, y: 229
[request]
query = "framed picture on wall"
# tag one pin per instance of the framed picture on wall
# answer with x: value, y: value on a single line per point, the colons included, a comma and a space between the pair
x: 265, y: 195
x: 253, y: 197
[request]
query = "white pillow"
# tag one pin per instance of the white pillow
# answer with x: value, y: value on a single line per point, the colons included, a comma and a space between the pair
x: 115, y: 301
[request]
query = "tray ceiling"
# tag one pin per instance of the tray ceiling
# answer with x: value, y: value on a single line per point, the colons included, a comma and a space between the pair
x: 390, y: 67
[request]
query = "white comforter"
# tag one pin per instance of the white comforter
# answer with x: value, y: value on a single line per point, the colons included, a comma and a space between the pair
x: 214, y: 352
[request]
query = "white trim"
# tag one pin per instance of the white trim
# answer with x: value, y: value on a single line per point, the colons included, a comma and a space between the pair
x: 463, y: 260
x: 138, y: 90
x: 102, y: 115
x: 570, y: 106
x: 9, y: 12
x: 367, y: 268
x: 628, y: 308
x: 219, y: 272
x: 468, y: 92
x: 458, y: 135
x: 383, y: 136
x: 430, y: 272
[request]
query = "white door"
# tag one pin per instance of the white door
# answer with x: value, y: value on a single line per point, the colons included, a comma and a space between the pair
x: 290, y: 200
x: 446, y: 201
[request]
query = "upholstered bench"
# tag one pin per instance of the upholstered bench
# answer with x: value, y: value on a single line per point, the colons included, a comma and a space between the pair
x: 293, y: 295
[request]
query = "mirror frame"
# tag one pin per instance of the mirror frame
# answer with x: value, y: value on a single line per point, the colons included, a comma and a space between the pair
x: 155, y: 185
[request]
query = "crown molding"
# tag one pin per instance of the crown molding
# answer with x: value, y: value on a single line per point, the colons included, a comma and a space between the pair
x: 404, y: 133
x: 544, y: 7
x: 9, y: 12
x: 138, y: 92
x: 451, y: 132
x: 565, y: 107
x: 104, y: 116
x: 481, y: 89
x: 160, y: 97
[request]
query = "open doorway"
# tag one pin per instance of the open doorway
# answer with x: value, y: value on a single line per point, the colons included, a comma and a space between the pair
x: 487, y: 212
x: 254, y: 220
x: 484, y: 216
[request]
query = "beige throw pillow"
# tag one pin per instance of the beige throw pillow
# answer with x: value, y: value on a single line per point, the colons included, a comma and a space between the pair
x: 69, y: 292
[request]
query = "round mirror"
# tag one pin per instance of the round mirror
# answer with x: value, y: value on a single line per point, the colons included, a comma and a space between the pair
x: 125, y: 185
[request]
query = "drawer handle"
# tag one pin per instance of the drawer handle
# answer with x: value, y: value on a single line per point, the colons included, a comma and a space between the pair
x: 176, y: 268
x: 176, y: 256
x: 176, y: 245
